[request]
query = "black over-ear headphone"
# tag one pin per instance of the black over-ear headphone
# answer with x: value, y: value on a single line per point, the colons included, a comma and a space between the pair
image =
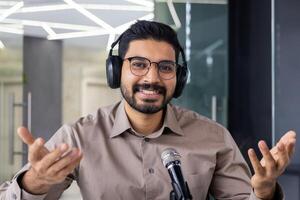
x: 114, y: 67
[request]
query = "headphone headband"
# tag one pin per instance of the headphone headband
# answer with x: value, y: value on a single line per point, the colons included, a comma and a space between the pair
x: 114, y: 44
x: 184, y: 63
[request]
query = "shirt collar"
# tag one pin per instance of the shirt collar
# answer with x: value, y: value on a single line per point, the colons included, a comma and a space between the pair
x: 171, y: 121
x: 122, y: 124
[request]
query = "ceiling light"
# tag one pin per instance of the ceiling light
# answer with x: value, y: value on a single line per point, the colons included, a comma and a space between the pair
x: 51, y: 24
x: 89, y: 15
x: 77, y: 34
x: 80, y: 30
x: 48, y: 29
x: 45, y: 8
x: 2, y: 10
x: 116, y: 7
x: 11, y: 30
x: 142, y: 2
x: 8, y: 3
x: 11, y: 10
x: 85, y: 6
x: 174, y: 14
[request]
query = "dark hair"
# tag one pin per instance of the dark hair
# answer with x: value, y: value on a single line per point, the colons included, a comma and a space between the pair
x: 143, y: 29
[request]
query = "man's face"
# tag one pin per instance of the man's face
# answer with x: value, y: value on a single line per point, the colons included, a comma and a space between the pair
x: 149, y: 93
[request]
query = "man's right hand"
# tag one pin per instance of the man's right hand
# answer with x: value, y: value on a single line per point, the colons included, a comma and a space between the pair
x: 47, y: 168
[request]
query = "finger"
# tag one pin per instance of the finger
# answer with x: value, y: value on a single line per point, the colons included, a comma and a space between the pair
x: 35, y: 151
x: 58, y: 176
x: 52, y: 157
x: 69, y: 168
x: 283, y: 157
x: 258, y: 169
x: 67, y: 161
x: 274, y: 150
x: 25, y: 135
x: 288, y: 136
x: 291, y: 147
x: 269, y: 160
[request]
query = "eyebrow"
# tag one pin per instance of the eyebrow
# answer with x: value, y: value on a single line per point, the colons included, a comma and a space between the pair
x: 165, y: 60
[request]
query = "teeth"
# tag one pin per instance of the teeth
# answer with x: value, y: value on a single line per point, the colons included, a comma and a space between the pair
x: 149, y: 92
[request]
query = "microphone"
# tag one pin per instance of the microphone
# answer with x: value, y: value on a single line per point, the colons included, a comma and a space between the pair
x: 171, y: 160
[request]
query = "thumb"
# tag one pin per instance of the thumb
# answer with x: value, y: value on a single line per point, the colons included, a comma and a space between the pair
x: 25, y: 135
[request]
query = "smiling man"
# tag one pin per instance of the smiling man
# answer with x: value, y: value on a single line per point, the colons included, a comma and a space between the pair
x: 148, y: 86
x: 115, y: 153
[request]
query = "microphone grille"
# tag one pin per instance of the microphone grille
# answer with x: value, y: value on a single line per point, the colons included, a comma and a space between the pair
x: 169, y: 155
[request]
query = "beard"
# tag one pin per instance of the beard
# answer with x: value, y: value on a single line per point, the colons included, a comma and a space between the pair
x: 146, y: 109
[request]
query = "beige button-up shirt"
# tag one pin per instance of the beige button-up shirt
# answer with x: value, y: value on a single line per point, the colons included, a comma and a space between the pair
x: 119, y: 163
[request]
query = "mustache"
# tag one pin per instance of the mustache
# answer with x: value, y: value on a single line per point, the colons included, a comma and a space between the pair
x: 151, y: 87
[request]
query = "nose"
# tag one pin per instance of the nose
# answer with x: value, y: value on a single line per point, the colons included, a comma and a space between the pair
x: 152, y: 76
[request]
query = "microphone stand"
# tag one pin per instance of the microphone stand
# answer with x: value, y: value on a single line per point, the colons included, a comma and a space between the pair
x: 172, y: 195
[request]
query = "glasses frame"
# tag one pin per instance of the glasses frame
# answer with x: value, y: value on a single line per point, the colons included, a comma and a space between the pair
x: 148, y: 68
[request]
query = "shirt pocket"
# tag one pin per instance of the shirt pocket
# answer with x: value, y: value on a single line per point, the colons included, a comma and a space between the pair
x: 198, y: 186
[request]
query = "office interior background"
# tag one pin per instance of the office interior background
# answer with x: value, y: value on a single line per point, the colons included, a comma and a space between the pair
x: 242, y: 55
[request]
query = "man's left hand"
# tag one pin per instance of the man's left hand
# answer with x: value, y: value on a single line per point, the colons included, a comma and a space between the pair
x: 272, y: 165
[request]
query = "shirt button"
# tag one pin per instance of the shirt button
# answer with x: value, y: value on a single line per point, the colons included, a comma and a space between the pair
x: 146, y: 139
x: 151, y: 171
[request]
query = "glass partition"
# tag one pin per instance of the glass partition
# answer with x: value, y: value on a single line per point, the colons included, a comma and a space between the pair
x: 285, y: 85
x: 202, y: 29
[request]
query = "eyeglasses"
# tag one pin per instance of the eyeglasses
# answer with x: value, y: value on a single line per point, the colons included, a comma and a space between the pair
x: 140, y: 66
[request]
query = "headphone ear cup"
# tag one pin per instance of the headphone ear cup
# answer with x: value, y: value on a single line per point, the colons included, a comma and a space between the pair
x: 182, y: 75
x: 113, y: 71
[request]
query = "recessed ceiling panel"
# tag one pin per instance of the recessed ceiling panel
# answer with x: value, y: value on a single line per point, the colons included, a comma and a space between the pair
x: 65, y: 19
x: 60, y: 16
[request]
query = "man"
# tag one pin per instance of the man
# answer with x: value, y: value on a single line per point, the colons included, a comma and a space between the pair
x: 122, y: 143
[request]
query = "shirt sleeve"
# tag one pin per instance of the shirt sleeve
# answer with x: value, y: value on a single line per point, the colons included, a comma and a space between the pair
x: 11, y: 189
x: 232, y: 175
x: 279, y: 195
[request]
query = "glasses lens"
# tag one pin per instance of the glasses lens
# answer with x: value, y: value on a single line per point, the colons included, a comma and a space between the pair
x: 167, y: 69
x: 139, y: 66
